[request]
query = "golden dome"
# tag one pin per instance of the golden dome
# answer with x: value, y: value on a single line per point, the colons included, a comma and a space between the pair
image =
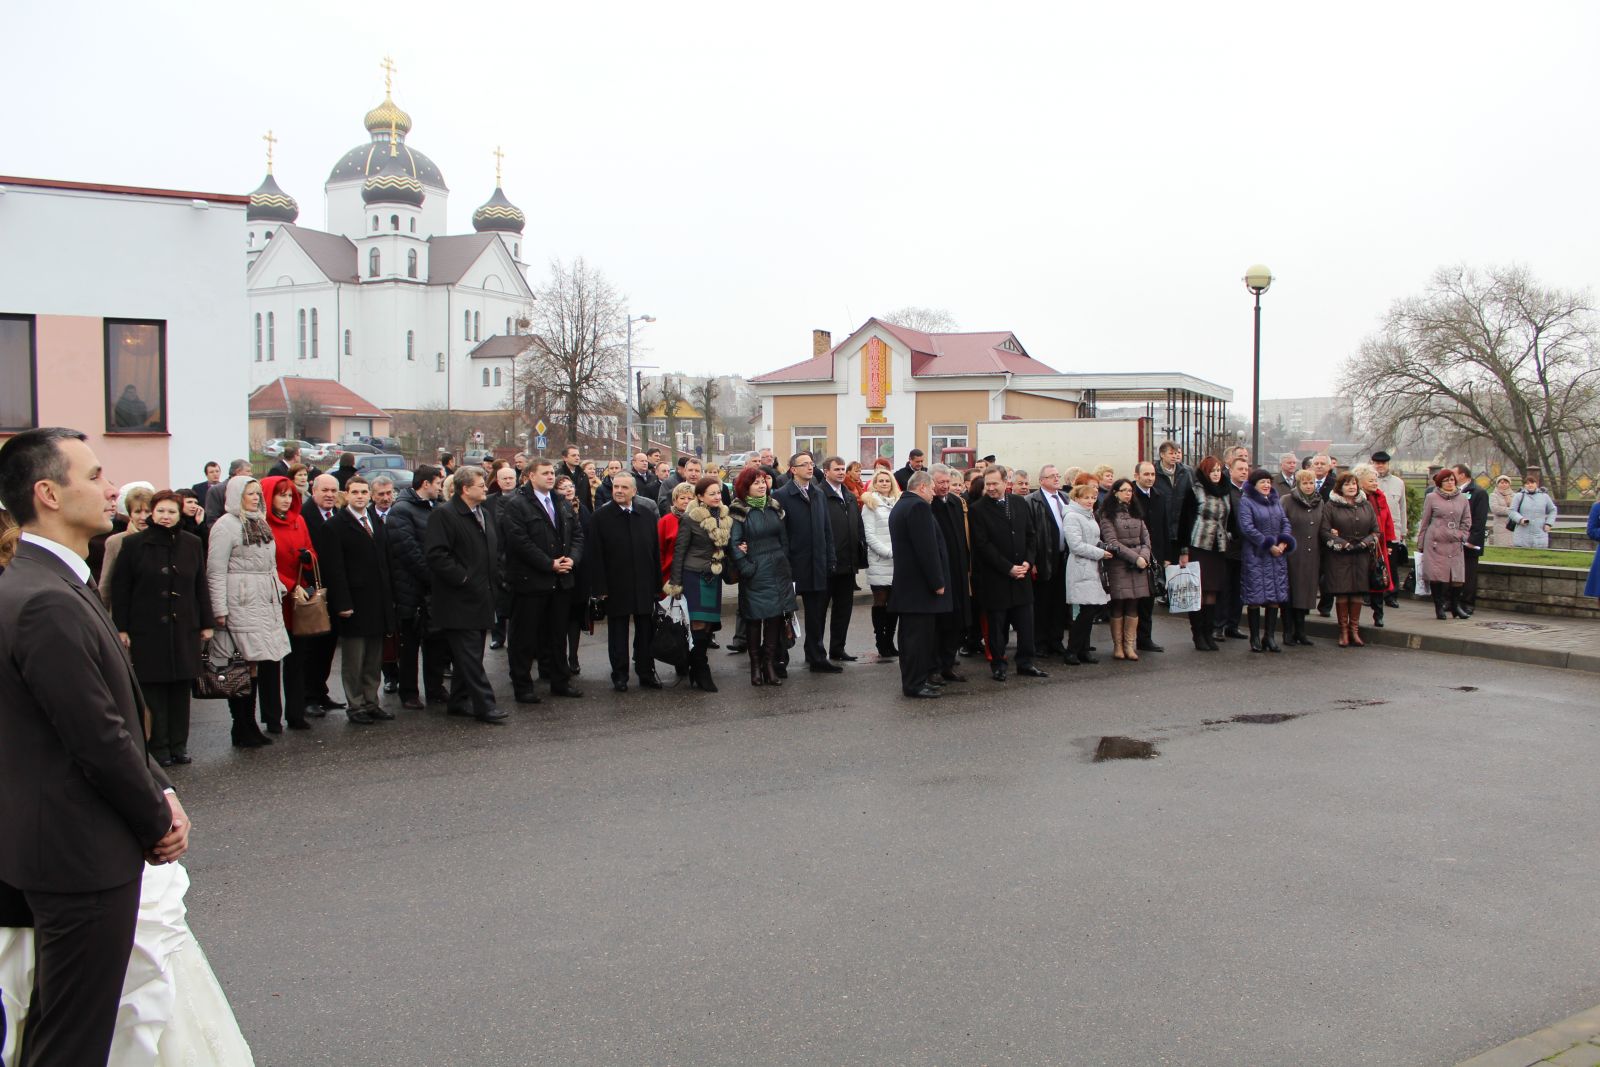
x: 387, y: 116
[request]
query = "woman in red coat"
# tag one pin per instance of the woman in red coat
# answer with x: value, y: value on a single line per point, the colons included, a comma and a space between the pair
x: 1367, y: 477
x: 282, y: 684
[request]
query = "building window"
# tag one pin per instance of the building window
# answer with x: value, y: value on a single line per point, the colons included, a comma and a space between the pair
x: 411, y: 263
x: 441, y: 362
x: 394, y: 223
x: 877, y: 440
x: 508, y: 325
x: 466, y: 325
x: 272, y: 337
x: 258, y: 337
x: 374, y: 224
x: 411, y: 344
x: 497, y: 376
x: 813, y: 439
x: 316, y: 346
x: 947, y: 435
x: 413, y: 225
x: 475, y: 333
x: 347, y: 342
x: 516, y: 250
x: 301, y: 318
x: 373, y: 262
x: 486, y: 376
x: 19, y: 402
x: 250, y: 239
x: 136, y: 376
x: 269, y: 235
x: 658, y: 430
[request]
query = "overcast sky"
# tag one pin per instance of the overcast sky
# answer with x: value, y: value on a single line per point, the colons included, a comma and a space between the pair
x: 1095, y: 178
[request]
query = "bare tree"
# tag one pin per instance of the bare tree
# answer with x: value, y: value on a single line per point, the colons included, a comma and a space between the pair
x: 1493, y: 358
x: 579, y: 327
x: 704, y: 396
x: 928, y: 320
x: 299, y: 412
x: 434, y: 426
x: 671, y: 397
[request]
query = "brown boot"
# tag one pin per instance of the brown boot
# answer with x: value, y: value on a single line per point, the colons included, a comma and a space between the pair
x: 1343, y: 614
x: 1354, y: 614
x: 1130, y: 637
x: 771, y: 636
x: 1116, y: 637
x: 754, y: 651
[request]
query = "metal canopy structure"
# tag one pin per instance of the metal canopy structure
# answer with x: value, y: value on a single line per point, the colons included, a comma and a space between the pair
x: 1182, y: 408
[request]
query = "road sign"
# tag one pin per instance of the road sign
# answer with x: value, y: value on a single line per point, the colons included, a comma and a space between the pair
x: 539, y: 428
x: 541, y: 442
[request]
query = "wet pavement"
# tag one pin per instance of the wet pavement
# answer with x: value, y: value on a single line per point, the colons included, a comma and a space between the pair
x: 1397, y: 872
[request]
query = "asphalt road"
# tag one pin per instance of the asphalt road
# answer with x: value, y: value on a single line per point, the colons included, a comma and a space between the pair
x: 832, y: 874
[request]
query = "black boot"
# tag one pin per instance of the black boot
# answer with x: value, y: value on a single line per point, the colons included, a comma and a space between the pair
x: 880, y: 632
x: 1254, y: 614
x: 771, y: 642
x: 1300, y: 637
x: 699, y: 664
x: 754, y: 650
x: 1438, y: 602
x: 1197, y: 631
x: 1456, y: 607
x: 1269, y: 640
x: 891, y: 622
x: 1377, y: 610
x: 246, y: 734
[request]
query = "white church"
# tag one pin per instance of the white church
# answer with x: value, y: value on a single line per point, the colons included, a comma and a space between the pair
x: 384, y: 301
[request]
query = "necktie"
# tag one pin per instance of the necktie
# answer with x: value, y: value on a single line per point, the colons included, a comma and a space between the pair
x: 479, y: 516
x: 1061, y: 521
x: 366, y: 525
x: 805, y: 492
x: 549, y: 509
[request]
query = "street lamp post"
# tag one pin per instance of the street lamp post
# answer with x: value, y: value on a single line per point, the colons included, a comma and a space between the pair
x: 1258, y: 279
x: 628, y: 396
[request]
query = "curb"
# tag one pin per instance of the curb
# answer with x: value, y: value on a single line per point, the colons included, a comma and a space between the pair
x: 1459, y: 646
x: 1544, y: 1044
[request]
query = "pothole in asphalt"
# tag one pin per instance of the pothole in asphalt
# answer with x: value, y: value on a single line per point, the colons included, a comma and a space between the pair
x: 1124, y: 748
x: 1463, y: 688
x: 1357, y: 702
x: 1266, y: 719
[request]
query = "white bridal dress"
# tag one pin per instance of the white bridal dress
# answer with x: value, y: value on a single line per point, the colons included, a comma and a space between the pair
x: 173, y: 1011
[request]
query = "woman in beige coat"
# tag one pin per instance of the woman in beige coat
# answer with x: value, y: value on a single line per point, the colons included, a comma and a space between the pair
x: 246, y: 595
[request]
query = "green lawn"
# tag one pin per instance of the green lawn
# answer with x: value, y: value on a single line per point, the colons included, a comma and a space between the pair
x: 1538, y: 557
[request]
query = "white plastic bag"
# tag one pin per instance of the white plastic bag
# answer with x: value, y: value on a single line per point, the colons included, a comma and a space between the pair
x: 1183, y: 588
x: 1422, y: 581
x: 676, y: 608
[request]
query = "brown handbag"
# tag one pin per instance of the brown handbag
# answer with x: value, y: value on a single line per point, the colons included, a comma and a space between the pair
x: 310, y: 610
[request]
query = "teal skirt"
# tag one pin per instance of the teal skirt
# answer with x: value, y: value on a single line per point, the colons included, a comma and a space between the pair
x: 703, y: 593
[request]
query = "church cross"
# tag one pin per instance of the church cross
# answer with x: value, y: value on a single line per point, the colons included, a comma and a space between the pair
x: 499, y: 157
x: 388, y: 75
x: 271, y: 141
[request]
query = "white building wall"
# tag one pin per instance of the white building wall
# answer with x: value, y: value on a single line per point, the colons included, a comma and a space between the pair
x: 900, y: 408
x: 66, y: 252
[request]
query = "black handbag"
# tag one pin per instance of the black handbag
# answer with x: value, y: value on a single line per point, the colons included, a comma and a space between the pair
x: 670, y: 642
x: 1378, y: 577
x: 223, y: 672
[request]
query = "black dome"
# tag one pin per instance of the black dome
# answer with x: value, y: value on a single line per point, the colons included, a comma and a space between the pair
x: 392, y: 182
x: 271, y: 204
x: 498, y: 215
x: 364, y: 160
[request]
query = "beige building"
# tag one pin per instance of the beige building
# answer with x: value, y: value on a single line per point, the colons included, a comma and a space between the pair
x: 887, y: 389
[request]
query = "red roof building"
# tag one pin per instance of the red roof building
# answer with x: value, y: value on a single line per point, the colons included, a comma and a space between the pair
x: 312, y: 409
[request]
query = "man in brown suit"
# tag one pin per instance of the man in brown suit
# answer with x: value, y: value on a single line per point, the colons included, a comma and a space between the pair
x: 84, y: 804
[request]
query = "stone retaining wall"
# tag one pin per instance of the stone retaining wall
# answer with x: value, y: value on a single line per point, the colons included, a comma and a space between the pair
x: 1573, y: 541
x: 1536, y: 590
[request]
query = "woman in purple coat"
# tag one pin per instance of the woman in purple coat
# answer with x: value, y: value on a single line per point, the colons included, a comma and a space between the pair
x: 1264, y: 561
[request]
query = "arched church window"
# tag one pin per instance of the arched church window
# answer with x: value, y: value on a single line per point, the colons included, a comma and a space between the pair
x: 269, y: 236
x: 508, y: 325
x: 315, y: 343
x: 272, y: 337
x: 475, y: 333
x: 394, y: 223
x: 301, y: 319
x: 486, y: 376
x: 516, y: 249
x: 347, y: 342
x: 466, y: 325
x: 497, y: 376
x: 411, y: 344
x: 374, y: 224
x: 439, y: 357
x: 413, y: 225
x: 372, y: 263
x: 258, y: 337
x: 411, y: 263
x: 250, y: 239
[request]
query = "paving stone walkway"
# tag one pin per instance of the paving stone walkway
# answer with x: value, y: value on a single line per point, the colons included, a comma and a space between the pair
x: 1573, y: 1042
x: 1540, y: 640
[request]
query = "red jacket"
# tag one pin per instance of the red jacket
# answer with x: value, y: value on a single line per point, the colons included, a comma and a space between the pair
x: 1386, y: 532
x: 667, y: 535
x: 289, y: 538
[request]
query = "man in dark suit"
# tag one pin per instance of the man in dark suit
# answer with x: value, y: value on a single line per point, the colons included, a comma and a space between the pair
x: 406, y: 525
x: 625, y: 563
x: 213, y: 476
x: 286, y: 459
x: 920, y: 590
x: 1151, y: 501
x: 811, y: 560
x: 463, y: 553
x: 1002, y: 572
x: 915, y: 461
x: 216, y: 498
x: 543, y: 547
x: 1230, y: 608
x: 318, y: 511
x: 572, y: 467
x: 950, y: 513
x: 85, y: 805
x: 1049, y: 507
x: 1472, y: 551
x: 361, y: 595
x: 849, y: 554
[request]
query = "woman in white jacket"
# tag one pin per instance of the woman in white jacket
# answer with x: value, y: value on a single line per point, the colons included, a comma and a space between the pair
x: 246, y: 595
x: 876, y: 503
x: 1535, y: 515
x: 1084, y: 555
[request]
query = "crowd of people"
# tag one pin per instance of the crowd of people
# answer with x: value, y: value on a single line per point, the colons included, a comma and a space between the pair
x: 998, y: 563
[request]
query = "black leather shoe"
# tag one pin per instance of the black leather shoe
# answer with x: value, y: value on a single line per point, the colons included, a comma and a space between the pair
x: 650, y: 681
x: 528, y: 697
x: 497, y: 644
x: 738, y: 648
x: 621, y: 687
x: 1236, y: 633
x: 439, y: 696
x: 274, y: 727
x: 1087, y: 657
x: 1070, y: 658
x: 165, y: 761
x: 564, y: 691
x: 463, y: 712
x: 333, y: 705
x: 574, y: 668
x: 391, y: 687
x: 952, y: 676
x: 844, y: 656
x: 361, y: 718
x: 182, y: 758
x: 380, y: 714
x: 927, y: 692
x: 822, y: 666
x: 999, y: 674
x: 1149, y: 646
x: 316, y: 711
x: 494, y: 715
x: 412, y: 703
x: 935, y: 681
x: 1032, y: 672
x: 299, y: 724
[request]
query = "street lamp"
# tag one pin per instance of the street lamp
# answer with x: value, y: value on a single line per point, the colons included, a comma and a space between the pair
x: 1258, y: 279
x: 628, y: 398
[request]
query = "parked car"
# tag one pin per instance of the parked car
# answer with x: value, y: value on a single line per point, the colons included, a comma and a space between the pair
x: 474, y: 457
x: 320, y: 452
x: 371, y: 463
x: 274, y: 446
x: 389, y: 445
